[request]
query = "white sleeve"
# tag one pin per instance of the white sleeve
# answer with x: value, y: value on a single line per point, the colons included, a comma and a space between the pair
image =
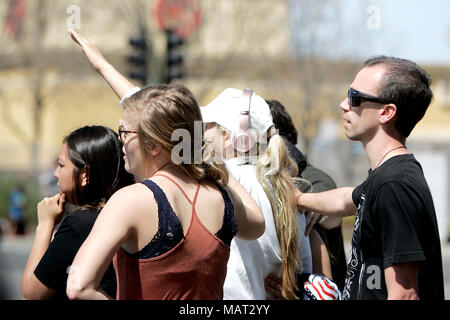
x: 304, y: 245
x: 129, y: 94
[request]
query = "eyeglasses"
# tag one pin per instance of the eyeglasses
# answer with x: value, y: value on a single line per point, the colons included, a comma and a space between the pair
x: 355, y: 98
x: 123, y: 133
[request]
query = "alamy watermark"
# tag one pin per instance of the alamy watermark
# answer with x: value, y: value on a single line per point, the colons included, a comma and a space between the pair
x: 74, y: 20
x: 213, y: 152
x: 374, y: 280
x: 374, y: 19
x: 73, y: 277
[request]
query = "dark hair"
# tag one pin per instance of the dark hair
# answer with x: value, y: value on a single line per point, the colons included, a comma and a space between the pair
x: 406, y: 85
x: 99, y: 151
x: 283, y: 121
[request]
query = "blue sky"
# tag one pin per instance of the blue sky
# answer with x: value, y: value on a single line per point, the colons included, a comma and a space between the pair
x: 413, y: 29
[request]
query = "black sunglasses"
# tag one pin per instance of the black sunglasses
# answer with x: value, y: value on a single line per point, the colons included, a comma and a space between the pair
x: 355, y: 98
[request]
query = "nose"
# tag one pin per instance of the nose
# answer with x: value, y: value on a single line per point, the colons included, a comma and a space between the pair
x: 344, y: 105
x: 56, y: 173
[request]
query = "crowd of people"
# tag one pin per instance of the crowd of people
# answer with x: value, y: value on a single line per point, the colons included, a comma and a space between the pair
x: 237, y: 212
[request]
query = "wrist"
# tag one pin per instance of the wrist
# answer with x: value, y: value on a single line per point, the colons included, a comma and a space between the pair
x: 45, y: 226
x: 298, y: 199
x: 103, y: 66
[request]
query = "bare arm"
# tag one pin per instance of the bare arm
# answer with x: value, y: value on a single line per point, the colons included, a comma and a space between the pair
x: 49, y: 211
x: 249, y: 217
x: 110, y: 231
x: 115, y: 80
x: 337, y: 202
x: 320, y: 256
x: 401, y: 281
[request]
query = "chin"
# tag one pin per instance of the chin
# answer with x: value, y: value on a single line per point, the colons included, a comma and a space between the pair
x: 351, y: 136
x: 131, y: 170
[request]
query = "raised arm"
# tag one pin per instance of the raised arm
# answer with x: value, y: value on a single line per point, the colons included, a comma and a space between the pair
x: 249, y: 217
x: 115, y: 80
x: 337, y: 202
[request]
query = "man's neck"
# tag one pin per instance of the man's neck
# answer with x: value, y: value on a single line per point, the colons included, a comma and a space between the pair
x: 381, y: 148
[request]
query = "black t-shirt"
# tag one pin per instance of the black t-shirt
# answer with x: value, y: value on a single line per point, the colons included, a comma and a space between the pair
x: 318, y: 178
x: 296, y: 154
x: 395, y: 223
x: 53, y: 268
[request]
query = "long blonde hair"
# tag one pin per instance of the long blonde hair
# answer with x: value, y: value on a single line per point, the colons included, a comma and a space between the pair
x: 160, y: 111
x: 275, y: 170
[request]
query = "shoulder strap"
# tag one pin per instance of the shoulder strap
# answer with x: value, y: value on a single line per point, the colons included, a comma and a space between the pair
x: 158, y: 193
x: 196, y: 194
x: 225, y: 196
x: 181, y: 189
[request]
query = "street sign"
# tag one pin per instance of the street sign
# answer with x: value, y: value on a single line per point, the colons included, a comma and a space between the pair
x: 181, y: 16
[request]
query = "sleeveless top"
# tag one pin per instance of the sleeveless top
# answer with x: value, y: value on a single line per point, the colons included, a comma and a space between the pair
x: 174, y: 265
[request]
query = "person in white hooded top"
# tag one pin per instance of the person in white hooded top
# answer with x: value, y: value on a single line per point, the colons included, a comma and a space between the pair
x: 238, y: 124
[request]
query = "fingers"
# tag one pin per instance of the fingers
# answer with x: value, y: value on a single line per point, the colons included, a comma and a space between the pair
x: 308, y: 229
x: 61, y: 203
x: 311, y: 219
x: 271, y: 278
x: 78, y: 38
x: 43, y: 202
x: 273, y: 285
x: 74, y: 35
x: 308, y: 217
x: 57, y: 200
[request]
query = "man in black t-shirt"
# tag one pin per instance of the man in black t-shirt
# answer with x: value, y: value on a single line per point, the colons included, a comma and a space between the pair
x: 396, y: 251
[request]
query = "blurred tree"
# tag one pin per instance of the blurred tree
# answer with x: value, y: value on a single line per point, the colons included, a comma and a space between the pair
x: 30, y: 26
x: 286, y: 50
x: 28, y: 44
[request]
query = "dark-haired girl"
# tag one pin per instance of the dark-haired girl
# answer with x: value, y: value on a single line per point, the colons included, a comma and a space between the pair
x: 90, y: 169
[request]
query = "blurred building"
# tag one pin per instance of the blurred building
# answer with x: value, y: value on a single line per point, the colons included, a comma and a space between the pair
x: 47, y: 88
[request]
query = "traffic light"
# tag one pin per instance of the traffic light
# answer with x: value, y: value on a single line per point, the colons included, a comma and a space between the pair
x: 140, y: 57
x: 174, y: 59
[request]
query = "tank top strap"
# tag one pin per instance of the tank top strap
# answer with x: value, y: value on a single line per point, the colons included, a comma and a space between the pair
x: 181, y: 189
x: 158, y: 193
x: 195, y: 197
x: 176, y: 184
x: 225, y: 196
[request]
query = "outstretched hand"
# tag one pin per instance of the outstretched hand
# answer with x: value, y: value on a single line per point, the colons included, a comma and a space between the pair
x: 120, y: 85
x: 94, y: 56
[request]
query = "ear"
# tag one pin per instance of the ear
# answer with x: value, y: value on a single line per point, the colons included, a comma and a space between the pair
x: 84, y: 177
x: 156, y: 150
x: 387, y: 113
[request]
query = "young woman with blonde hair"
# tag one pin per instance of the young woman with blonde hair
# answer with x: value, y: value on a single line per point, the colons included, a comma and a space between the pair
x: 170, y: 234
x: 266, y: 171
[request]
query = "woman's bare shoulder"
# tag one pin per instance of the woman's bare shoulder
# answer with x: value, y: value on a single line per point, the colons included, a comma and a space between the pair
x: 134, y: 196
